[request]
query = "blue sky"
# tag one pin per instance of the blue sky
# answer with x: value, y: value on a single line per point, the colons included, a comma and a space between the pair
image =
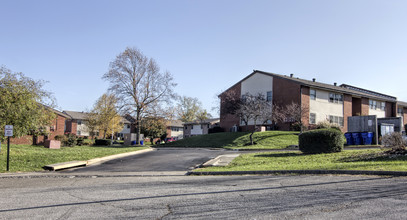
x: 207, y: 45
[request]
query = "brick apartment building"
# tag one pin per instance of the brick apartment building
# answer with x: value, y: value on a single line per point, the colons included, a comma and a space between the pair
x: 319, y: 101
x: 56, y: 127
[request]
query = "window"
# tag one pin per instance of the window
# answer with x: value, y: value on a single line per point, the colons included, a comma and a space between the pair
x: 269, y: 96
x: 399, y: 111
x: 313, y: 94
x: 78, y: 132
x: 383, y: 106
x: 336, y: 120
x: 186, y: 127
x: 208, y: 125
x: 312, y: 118
x: 335, y: 98
x: 372, y: 104
x: 128, y: 126
x: 79, y: 122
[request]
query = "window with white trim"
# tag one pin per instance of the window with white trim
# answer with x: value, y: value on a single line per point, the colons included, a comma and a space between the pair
x: 335, y: 98
x: 313, y: 94
x: 312, y: 118
x: 382, y: 106
x: 336, y: 120
x: 269, y: 96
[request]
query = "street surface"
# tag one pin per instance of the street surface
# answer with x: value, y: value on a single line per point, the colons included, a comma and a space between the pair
x: 203, y: 197
x: 163, y: 159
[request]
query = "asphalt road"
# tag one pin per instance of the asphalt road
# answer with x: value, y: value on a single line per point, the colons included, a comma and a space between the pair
x: 203, y: 197
x: 163, y: 159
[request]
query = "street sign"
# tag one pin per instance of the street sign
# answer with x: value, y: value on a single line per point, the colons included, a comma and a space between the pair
x: 8, y: 131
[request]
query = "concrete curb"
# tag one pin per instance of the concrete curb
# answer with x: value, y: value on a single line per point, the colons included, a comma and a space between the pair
x: 334, y: 172
x: 116, y: 156
x: 99, y: 160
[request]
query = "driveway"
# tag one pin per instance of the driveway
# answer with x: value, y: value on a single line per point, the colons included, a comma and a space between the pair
x: 163, y: 159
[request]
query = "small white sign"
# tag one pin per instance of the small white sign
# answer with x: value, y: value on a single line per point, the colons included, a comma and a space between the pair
x: 8, y: 131
x: 369, y: 123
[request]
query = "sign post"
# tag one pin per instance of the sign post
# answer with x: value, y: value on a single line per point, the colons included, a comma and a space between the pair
x: 8, y: 132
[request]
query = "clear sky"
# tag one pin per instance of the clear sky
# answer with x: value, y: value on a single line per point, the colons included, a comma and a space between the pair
x: 207, y: 45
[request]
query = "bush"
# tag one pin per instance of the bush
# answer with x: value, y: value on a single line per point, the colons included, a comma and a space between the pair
x: 327, y: 125
x: 70, y: 140
x: 60, y: 138
x: 103, y: 142
x: 79, y: 141
x: 215, y: 130
x: 394, y: 141
x: 321, y: 141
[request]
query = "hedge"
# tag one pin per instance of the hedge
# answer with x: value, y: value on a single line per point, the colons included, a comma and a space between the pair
x: 104, y: 142
x: 321, y: 141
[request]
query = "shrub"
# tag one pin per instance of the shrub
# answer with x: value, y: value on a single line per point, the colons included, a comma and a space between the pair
x: 215, y: 130
x: 60, y: 138
x: 321, y: 141
x: 79, y: 141
x: 70, y: 140
x: 103, y: 142
x: 394, y: 140
x: 327, y: 125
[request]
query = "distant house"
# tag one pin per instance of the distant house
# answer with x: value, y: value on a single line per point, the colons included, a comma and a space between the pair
x: 175, y: 129
x: 76, y: 125
x: 199, y: 127
x: 126, y: 128
x: 56, y: 127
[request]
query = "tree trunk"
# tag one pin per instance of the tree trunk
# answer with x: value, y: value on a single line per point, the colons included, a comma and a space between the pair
x: 251, y: 138
x: 138, y: 129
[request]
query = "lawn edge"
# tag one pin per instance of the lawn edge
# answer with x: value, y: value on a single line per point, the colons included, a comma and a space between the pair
x: 277, y: 172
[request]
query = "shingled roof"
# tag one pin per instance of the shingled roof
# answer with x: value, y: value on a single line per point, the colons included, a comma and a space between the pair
x: 344, y: 88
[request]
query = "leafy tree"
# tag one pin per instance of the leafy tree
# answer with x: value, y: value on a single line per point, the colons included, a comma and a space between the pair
x: 23, y: 104
x: 92, y: 122
x: 154, y: 127
x: 104, y: 116
x: 138, y: 83
x: 190, y: 109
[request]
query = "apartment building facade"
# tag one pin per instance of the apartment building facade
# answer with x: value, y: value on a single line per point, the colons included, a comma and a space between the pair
x: 318, y: 101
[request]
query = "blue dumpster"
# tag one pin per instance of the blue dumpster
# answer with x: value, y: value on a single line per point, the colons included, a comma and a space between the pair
x: 357, y: 140
x: 349, y: 139
x: 367, y: 138
x: 133, y: 142
x: 141, y: 142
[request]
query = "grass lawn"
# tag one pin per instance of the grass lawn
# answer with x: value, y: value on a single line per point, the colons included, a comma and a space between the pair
x: 371, y: 159
x: 239, y: 140
x: 32, y: 158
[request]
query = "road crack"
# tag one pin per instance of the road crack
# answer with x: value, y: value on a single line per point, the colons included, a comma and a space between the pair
x: 169, y: 209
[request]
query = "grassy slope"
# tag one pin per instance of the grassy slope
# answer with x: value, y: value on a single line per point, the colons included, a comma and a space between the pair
x: 346, y: 160
x: 239, y: 140
x: 33, y: 158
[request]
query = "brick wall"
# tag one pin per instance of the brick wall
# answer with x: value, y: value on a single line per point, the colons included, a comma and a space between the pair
x: 347, y: 111
x: 227, y: 121
x: 364, y: 107
x: 404, y: 116
x: 305, y: 109
x: 286, y: 92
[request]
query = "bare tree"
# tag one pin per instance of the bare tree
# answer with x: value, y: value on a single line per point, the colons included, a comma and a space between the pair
x: 138, y: 83
x: 255, y: 109
x: 293, y: 113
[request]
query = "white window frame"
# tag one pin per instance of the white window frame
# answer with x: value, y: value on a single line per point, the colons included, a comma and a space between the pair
x: 269, y: 96
x: 312, y: 118
x: 335, y: 98
x: 313, y: 94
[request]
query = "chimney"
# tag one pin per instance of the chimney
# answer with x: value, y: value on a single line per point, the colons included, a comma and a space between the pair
x: 291, y: 75
x: 313, y: 79
x: 335, y: 84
